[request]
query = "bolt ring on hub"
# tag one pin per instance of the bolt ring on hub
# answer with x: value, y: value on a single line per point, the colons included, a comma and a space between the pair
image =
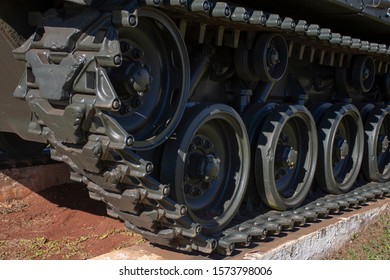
x: 207, y: 164
x: 152, y: 102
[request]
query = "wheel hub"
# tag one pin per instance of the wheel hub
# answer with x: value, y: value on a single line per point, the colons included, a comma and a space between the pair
x: 342, y: 148
x: 139, y: 78
x: 289, y: 157
x: 202, y: 166
x: 273, y: 57
x: 366, y: 73
x: 384, y: 143
x: 211, y: 168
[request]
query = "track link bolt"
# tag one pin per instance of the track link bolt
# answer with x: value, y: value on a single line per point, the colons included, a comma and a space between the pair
x: 118, y: 60
x: 206, y: 6
x: 133, y: 20
x: 130, y: 140
x: 227, y: 11
x: 116, y: 104
x: 97, y: 150
x: 166, y: 190
x: 149, y: 167
x: 183, y: 210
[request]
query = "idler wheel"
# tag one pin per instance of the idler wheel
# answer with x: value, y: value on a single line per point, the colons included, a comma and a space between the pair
x: 153, y: 79
x: 285, y: 157
x: 207, y: 164
x: 340, y: 136
x: 376, y: 162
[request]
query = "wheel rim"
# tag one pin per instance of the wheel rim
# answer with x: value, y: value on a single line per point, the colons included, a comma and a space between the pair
x: 152, y: 102
x: 254, y: 118
x: 341, y: 148
x: 209, y: 177
x: 376, y: 162
x: 285, y: 157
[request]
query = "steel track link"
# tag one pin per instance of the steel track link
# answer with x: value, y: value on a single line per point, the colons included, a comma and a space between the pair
x: 230, y: 17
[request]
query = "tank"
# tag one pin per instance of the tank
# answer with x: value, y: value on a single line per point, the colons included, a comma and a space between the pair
x: 203, y: 125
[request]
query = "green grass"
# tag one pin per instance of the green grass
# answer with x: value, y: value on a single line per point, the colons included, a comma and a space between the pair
x: 373, y: 243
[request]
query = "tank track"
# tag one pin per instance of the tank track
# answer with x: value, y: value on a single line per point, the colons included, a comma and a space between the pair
x: 241, y: 233
x: 146, y: 207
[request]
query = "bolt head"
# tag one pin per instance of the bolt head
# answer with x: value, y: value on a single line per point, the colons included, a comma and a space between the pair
x: 130, y: 140
x: 149, y: 168
x: 118, y: 60
x: 116, y: 104
x: 166, y: 190
x: 206, y: 6
x: 132, y: 20
x: 227, y: 11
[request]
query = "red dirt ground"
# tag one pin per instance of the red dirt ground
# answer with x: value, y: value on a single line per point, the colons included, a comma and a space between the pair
x: 60, y: 223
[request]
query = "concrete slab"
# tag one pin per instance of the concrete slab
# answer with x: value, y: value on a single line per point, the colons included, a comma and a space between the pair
x: 16, y: 183
x: 319, y: 240
x: 314, y: 241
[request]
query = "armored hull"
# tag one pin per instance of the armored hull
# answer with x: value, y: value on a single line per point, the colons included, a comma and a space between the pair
x: 194, y: 121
